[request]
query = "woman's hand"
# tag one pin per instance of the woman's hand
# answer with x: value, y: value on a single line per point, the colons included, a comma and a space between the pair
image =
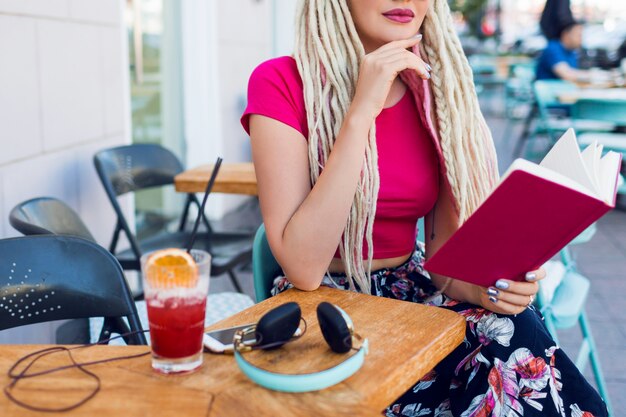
x: 378, y: 71
x: 511, y: 297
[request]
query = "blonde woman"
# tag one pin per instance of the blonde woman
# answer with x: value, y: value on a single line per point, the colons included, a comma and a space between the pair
x: 372, y: 124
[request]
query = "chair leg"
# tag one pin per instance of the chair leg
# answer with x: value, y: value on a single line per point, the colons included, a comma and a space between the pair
x: 595, y: 360
x: 549, y: 322
x: 523, y: 138
x: 233, y: 280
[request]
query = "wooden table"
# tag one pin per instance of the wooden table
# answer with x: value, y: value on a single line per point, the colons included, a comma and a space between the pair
x: 601, y: 94
x: 406, y: 341
x: 233, y: 178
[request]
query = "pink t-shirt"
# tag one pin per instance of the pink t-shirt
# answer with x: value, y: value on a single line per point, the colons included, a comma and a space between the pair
x: 407, y: 160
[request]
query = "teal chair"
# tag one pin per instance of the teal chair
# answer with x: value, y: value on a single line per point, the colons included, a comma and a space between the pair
x: 608, y: 110
x: 561, y: 299
x: 264, y: 266
x: 554, y: 117
x: 519, y: 89
x: 612, y: 111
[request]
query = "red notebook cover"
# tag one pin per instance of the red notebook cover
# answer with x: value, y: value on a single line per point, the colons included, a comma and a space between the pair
x: 521, y: 225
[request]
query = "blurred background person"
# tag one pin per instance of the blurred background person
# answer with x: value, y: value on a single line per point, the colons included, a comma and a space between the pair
x: 554, y: 14
x: 560, y: 58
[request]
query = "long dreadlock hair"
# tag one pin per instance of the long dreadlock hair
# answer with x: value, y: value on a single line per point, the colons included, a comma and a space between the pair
x: 328, y: 54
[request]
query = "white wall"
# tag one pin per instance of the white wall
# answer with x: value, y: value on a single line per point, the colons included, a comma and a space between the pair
x: 63, y: 96
x: 261, y: 30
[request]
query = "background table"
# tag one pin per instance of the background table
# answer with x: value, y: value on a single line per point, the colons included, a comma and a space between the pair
x: 406, y: 341
x: 233, y: 178
x: 600, y: 94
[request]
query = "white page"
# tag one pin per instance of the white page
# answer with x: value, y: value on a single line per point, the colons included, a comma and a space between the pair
x: 591, y: 157
x: 609, y: 169
x: 550, y: 175
x: 565, y: 158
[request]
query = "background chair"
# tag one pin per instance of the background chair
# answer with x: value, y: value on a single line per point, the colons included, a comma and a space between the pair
x: 136, y: 167
x: 45, y: 278
x: 519, y: 89
x: 554, y: 116
x: 561, y: 299
x: 47, y: 215
x: 612, y: 111
x: 50, y: 216
x: 264, y: 266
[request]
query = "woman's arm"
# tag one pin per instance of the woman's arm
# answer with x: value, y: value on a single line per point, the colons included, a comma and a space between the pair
x: 446, y: 222
x: 565, y: 72
x: 303, y: 224
x: 510, y: 300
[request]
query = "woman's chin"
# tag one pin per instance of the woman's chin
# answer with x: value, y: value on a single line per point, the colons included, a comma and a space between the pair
x: 398, y: 34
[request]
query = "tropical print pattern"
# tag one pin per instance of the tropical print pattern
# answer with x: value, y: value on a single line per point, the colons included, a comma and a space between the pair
x: 507, y: 366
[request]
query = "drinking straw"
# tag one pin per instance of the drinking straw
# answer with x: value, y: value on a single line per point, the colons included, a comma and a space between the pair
x: 209, y: 186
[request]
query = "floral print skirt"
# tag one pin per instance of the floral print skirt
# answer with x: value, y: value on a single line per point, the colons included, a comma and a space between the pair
x: 508, y: 365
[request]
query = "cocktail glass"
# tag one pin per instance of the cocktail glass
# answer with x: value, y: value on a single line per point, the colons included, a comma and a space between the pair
x: 176, y: 285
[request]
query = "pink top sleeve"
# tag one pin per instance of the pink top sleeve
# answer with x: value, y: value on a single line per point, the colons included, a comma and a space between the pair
x: 275, y: 90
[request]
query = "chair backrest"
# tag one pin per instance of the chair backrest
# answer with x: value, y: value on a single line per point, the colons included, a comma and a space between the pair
x: 131, y: 168
x: 605, y: 110
x: 421, y: 230
x: 47, y: 215
x: 547, y: 92
x: 523, y: 71
x: 136, y: 167
x: 264, y: 266
x: 44, y: 278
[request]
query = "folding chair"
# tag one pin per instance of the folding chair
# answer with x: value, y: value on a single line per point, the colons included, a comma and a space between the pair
x: 136, y: 167
x: 49, y: 277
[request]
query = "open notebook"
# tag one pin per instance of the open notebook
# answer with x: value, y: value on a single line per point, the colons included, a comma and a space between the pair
x: 533, y: 213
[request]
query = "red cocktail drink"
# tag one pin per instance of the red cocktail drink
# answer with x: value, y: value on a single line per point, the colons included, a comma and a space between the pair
x: 176, y: 326
x: 176, y: 284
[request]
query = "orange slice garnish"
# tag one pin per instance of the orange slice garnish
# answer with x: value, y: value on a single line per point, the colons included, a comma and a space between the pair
x: 170, y: 268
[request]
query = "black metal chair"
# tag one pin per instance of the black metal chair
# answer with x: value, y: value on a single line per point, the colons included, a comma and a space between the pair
x: 51, y: 216
x: 136, y: 167
x: 45, y: 278
x: 48, y: 216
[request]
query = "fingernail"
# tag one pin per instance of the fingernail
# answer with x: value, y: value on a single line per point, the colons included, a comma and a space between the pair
x: 427, y: 76
x: 493, y: 299
x: 531, y: 276
x: 503, y: 285
x: 428, y: 67
x: 418, y: 36
x: 493, y: 291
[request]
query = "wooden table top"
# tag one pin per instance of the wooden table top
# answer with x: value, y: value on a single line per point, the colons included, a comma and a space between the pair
x: 601, y: 94
x: 233, y: 178
x: 406, y: 341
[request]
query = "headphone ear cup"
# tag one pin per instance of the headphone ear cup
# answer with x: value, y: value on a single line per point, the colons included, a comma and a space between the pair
x: 334, y: 328
x: 278, y: 325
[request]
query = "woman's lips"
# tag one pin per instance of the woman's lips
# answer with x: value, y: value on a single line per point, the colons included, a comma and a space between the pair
x: 400, y: 15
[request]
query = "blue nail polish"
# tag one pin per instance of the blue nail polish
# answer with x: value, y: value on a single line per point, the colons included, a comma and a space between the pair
x: 503, y: 285
x: 493, y: 299
x: 493, y: 291
x: 531, y: 276
x: 418, y: 36
x: 428, y: 67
